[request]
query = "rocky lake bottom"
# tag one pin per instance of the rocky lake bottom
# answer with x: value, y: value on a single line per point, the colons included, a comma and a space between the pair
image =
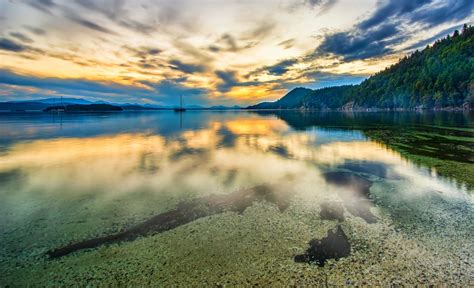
x: 234, y: 198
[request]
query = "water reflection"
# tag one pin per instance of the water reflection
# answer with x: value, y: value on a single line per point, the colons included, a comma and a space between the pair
x: 98, y: 180
x: 204, y: 160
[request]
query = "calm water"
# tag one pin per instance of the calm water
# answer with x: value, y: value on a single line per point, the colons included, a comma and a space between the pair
x: 227, y: 198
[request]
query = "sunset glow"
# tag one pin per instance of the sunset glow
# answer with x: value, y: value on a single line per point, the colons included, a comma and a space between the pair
x: 212, y: 52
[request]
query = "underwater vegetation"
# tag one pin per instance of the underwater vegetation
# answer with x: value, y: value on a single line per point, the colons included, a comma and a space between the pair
x: 184, y: 213
x: 449, y: 151
x: 355, y: 197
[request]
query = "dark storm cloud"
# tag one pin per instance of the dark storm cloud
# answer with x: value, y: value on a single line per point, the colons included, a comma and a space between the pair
x: 390, y: 9
x: 450, y: 11
x: 229, y: 80
x: 21, y: 37
x: 12, y: 46
x: 363, y: 44
x: 186, y: 67
x: 376, y: 35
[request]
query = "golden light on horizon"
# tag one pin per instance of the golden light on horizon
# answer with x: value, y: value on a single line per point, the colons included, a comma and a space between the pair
x: 156, y: 50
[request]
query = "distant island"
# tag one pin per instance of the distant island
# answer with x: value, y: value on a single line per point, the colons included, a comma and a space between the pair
x: 74, y: 105
x: 439, y: 77
x: 76, y: 108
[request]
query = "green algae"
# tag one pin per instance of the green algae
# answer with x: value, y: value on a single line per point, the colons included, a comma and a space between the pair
x: 450, y: 155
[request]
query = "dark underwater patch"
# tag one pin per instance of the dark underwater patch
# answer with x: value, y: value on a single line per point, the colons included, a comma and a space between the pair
x: 184, y: 213
x: 334, y: 246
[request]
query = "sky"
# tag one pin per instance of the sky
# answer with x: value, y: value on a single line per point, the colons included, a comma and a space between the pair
x: 212, y: 52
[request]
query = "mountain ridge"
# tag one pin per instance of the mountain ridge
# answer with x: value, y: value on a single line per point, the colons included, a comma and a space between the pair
x: 439, y: 77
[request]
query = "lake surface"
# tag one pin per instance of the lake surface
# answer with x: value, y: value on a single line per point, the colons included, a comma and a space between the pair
x: 230, y: 198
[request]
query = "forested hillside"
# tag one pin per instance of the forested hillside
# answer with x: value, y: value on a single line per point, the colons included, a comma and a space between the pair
x: 442, y: 75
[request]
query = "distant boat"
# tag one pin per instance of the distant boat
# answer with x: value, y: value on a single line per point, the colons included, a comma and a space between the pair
x: 181, y: 108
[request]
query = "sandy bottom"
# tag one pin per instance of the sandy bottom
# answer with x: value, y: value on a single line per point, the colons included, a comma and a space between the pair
x: 257, y: 247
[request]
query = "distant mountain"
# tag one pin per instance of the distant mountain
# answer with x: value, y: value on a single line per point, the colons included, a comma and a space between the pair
x: 58, y: 101
x: 440, y: 76
x: 55, y: 103
x: 74, y: 108
x: 136, y: 107
x: 294, y: 99
x: 220, y: 107
x: 23, y: 106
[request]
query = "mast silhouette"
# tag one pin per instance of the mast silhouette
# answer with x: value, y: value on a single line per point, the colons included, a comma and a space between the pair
x: 181, y: 108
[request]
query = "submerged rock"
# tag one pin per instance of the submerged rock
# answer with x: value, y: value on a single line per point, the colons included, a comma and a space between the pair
x: 333, y: 246
x: 184, y: 213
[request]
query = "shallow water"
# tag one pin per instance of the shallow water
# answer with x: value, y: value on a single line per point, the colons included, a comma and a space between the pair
x: 228, y: 198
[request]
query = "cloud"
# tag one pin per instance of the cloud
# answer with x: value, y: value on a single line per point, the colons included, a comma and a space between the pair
x: 230, y: 43
x: 21, y: 37
x: 12, y: 46
x: 168, y: 92
x: 186, y: 67
x: 287, y: 44
x: 323, y: 5
x: 42, y: 5
x: 229, y: 80
x: 391, y: 9
x: 36, y: 30
x: 327, y: 79
x: 281, y: 67
x: 446, y: 11
x: 381, y: 32
x: 262, y: 30
x: 87, y: 23
x: 117, y: 12
x: 8, y: 77
x: 143, y: 52
x: 159, y: 93
x: 278, y: 69
x: 362, y: 44
x: 423, y: 43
